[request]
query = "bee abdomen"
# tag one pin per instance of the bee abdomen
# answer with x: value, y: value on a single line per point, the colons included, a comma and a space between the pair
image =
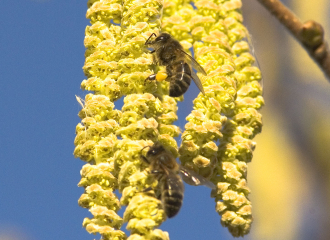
x: 180, y: 79
x: 172, y: 203
x: 179, y: 84
x: 172, y: 196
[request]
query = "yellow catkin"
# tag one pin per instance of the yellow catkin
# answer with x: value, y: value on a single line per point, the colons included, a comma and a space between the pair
x: 96, y: 135
x: 110, y: 140
x: 227, y: 113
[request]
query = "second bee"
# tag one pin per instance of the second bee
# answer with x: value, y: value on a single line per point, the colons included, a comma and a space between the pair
x: 164, y: 166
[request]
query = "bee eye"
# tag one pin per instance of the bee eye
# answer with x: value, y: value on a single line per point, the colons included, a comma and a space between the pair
x: 161, y: 38
x: 154, y: 152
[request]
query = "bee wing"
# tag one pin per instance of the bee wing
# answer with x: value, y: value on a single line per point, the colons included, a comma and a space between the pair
x: 197, y: 81
x: 192, y: 62
x: 256, y: 63
x: 194, y: 179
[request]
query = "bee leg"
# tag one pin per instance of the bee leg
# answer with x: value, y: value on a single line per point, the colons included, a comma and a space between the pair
x: 144, y: 159
x: 152, y: 77
x: 147, y: 189
x: 156, y: 172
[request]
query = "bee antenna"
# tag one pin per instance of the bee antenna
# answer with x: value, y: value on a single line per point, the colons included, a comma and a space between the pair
x: 153, y: 34
x: 144, y: 148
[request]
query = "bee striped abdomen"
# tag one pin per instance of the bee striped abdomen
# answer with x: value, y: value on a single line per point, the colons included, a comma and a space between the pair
x: 179, y: 77
x: 172, y: 194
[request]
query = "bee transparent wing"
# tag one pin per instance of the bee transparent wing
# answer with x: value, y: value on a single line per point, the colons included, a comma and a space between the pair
x: 194, y: 179
x: 256, y: 63
x: 197, y: 81
x: 192, y: 62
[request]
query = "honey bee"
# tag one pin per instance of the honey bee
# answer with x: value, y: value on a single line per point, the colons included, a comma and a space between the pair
x: 168, y: 52
x: 164, y: 166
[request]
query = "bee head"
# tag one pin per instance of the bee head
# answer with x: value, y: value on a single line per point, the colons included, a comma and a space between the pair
x: 163, y: 37
x: 155, y: 150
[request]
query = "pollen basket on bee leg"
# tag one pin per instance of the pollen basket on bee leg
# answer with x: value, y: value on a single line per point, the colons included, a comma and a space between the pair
x: 161, y: 76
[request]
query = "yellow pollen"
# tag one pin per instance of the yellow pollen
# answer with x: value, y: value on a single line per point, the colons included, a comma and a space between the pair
x: 161, y: 76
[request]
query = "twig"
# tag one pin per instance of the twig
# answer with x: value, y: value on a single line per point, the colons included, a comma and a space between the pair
x: 310, y: 34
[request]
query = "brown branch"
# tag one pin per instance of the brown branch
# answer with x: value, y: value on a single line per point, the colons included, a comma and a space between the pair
x: 310, y: 34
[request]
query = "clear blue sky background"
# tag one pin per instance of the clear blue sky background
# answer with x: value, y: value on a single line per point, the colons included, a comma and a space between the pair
x: 41, y: 59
